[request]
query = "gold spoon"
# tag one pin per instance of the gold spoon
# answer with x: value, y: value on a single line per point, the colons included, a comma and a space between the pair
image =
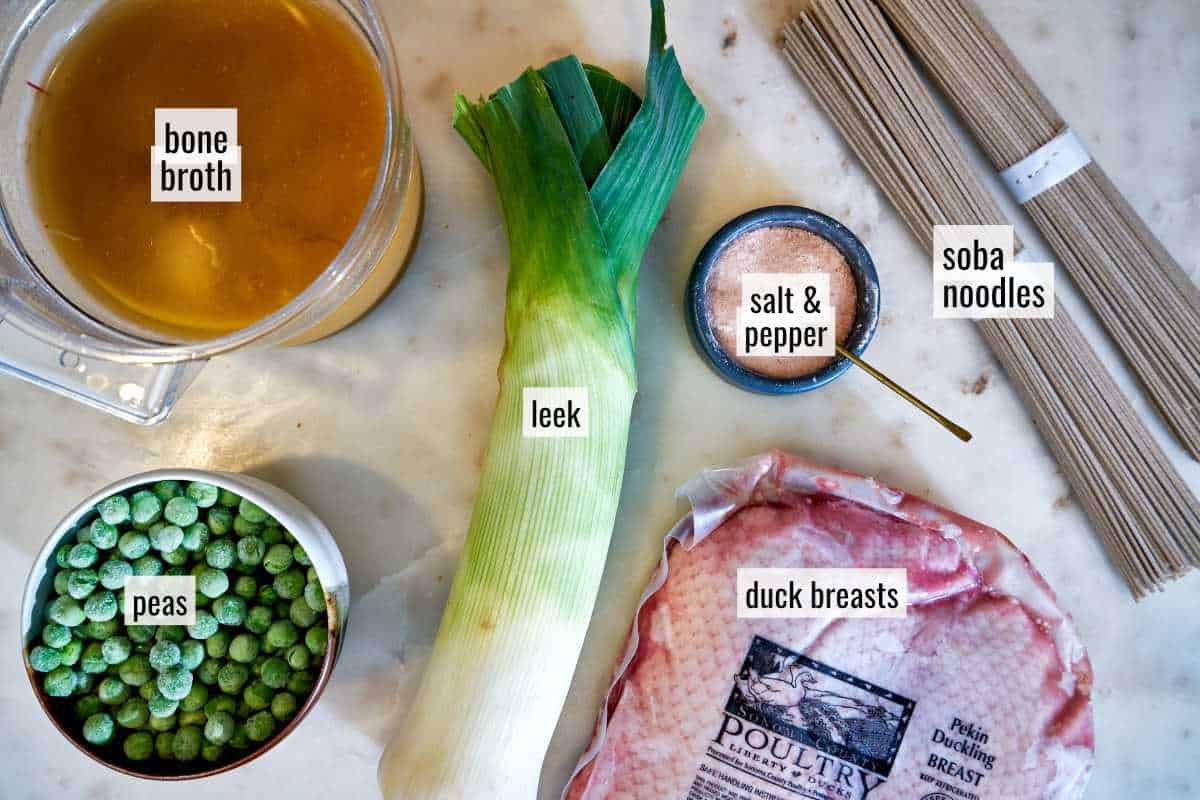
x: 959, y: 431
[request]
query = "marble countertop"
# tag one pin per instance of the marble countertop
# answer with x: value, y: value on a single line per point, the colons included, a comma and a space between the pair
x: 381, y: 428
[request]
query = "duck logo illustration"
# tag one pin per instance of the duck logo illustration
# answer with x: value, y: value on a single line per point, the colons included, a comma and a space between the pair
x: 818, y: 705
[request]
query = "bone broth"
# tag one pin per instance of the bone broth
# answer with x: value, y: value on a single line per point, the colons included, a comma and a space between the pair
x: 311, y: 124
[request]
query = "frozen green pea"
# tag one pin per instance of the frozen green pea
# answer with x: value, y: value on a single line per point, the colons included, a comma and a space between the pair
x: 102, y: 535
x: 133, y: 544
x: 245, y: 587
x: 282, y: 633
x: 219, y: 703
x: 211, y: 752
x: 219, y: 727
x: 205, y: 626
x: 166, y: 538
x: 191, y: 654
x: 267, y: 595
x: 258, y: 695
x: 133, y: 713
x: 165, y: 490
x: 300, y: 556
x: 112, y: 691
x: 229, y: 610
x: 300, y: 682
x: 284, y: 706
x: 138, y: 746
x: 272, y: 536
x: 159, y: 704
x: 83, y: 535
x: 240, y: 740
x: 243, y: 648
x: 55, y: 635
x: 220, y: 521
x: 298, y: 656
x: 164, y: 744
x: 277, y: 559
x: 161, y: 724
x: 204, y: 495
x: 113, y: 510
x: 141, y: 633
x: 163, y: 655
x: 301, y: 614
x: 220, y: 553
x: 100, y: 629
x: 175, y: 682
x: 258, y: 619
x: 289, y: 585
x: 250, y: 550
x: 83, y: 555
x: 84, y: 682
x: 244, y: 527
x: 195, y: 699
x: 62, y: 556
x: 101, y: 606
x: 317, y: 639
x: 228, y: 499
x: 181, y: 511
x: 260, y: 726
x: 113, y: 573
x: 282, y: 609
x: 251, y: 512
x: 61, y: 579
x: 195, y: 537
x: 207, y: 672
x: 71, y: 652
x: 65, y: 611
x: 87, y: 705
x: 275, y: 672
x: 171, y: 633
x: 177, y: 558
x: 181, y: 571
x: 147, y: 691
x: 92, y: 660
x: 148, y: 565
x: 81, y: 582
x: 192, y: 718
x: 232, y: 677
x: 212, y: 582
x: 44, y: 659
x: 217, y: 645
x: 314, y: 596
x: 145, y: 510
x: 98, y: 728
x: 136, y: 670
x: 116, y: 649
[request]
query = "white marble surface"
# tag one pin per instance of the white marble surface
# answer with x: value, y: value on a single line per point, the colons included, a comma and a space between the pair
x: 381, y: 428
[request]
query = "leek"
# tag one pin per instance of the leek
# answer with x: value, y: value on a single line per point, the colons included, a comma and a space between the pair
x: 583, y: 172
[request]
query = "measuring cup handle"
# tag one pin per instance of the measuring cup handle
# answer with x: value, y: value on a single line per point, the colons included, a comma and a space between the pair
x: 140, y: 393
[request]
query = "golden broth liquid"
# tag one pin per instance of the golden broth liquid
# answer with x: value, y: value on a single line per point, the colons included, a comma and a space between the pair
x: 311, y: 125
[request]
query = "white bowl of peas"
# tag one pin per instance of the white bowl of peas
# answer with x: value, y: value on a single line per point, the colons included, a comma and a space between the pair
x: 175, y: 702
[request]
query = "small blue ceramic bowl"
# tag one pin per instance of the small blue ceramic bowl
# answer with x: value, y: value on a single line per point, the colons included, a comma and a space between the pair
x: 837, y: 234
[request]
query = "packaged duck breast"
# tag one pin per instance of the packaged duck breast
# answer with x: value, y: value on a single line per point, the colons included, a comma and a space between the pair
x: 980, y: 690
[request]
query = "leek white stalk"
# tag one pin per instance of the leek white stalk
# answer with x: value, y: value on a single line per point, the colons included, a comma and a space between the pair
x: 582, y: 182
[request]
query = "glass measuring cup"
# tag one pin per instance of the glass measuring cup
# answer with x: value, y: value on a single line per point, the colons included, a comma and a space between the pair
x: 58, y: 340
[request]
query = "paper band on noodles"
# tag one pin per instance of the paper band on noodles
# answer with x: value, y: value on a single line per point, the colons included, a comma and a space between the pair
x: 1049, y: 165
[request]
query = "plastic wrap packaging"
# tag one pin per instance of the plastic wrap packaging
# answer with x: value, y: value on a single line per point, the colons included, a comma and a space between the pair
x: 981, y: 691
